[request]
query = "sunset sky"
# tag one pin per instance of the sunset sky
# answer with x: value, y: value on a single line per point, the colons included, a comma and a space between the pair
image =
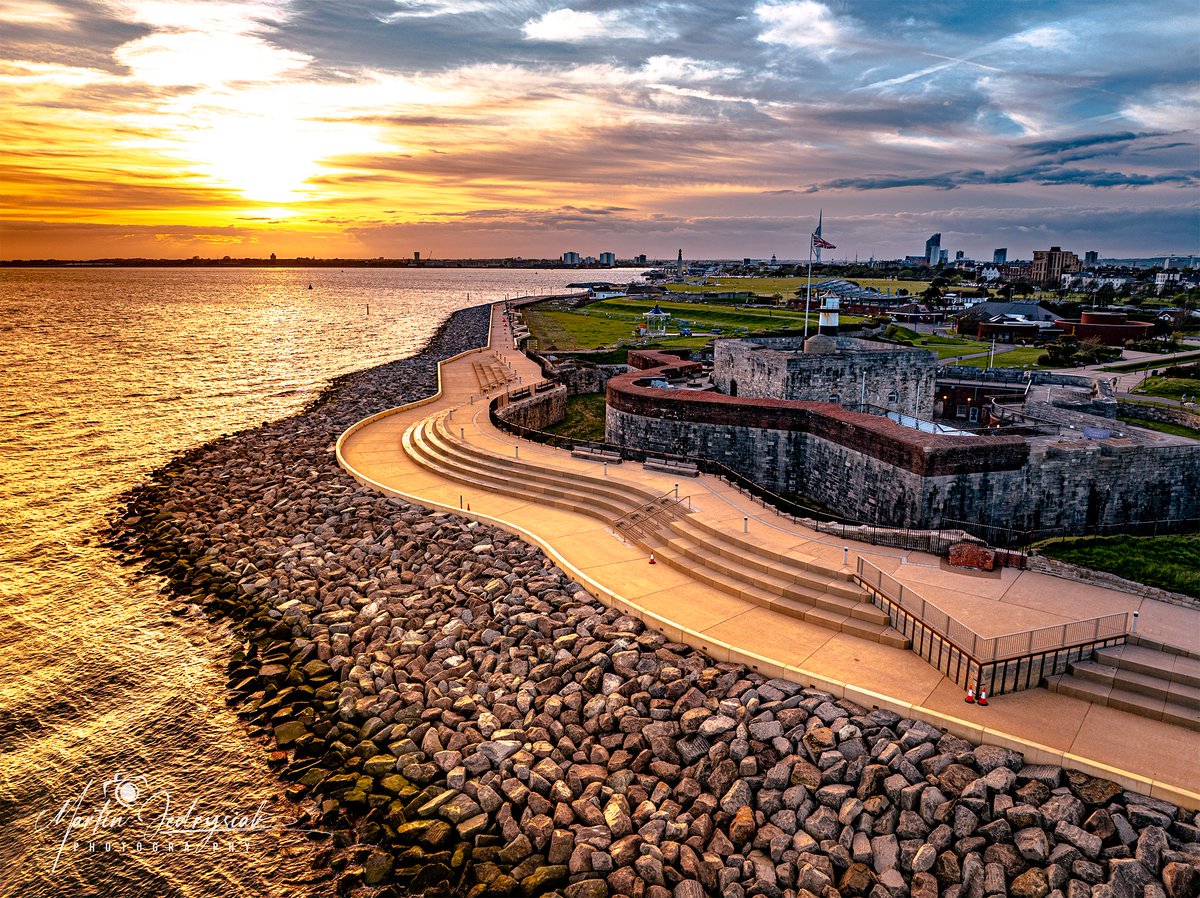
x: 460, y: 128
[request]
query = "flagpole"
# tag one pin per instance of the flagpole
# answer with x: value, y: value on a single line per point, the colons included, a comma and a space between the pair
x: 808, y: 289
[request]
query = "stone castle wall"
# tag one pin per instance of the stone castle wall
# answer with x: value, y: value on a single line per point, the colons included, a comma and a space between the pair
x: 1072, y: 485
x: 868, y: 468
x: 538, y: 411
x: 842, y: 369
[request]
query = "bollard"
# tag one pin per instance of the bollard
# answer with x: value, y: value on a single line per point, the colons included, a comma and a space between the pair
x: 516, y: 451
x: 460, y: 505
x: 677, y: 491
x: 450, y: 415
x: 462, y: 434
x: 606, y: 469
x: 472, y: 399
x: 745, y: 525
x: 1135, y: 620
x: 845, y: 556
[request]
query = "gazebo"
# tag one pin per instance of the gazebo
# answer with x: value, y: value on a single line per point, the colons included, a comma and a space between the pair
x: 656, y: 321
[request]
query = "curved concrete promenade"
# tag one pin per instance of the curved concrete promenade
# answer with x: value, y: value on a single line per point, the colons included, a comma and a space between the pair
x: 439, y: 453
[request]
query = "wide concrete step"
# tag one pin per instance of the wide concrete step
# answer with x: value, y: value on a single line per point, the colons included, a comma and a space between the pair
x: 823, y: 609
x: 780, y: 581
x: 736, y: 567
x: 747, y: 546
x: 1140, y: 659
x: 453, y: 449
x: 426, y: 453
x: 1114, y: 695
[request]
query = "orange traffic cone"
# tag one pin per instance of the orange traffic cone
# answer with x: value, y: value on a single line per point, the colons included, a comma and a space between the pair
x: 970, y: 699
x: 982, y: 697
x: 468, y: 506
x: 652, y: 561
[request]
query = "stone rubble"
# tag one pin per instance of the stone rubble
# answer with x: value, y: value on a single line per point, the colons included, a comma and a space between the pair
x: 466, y: 720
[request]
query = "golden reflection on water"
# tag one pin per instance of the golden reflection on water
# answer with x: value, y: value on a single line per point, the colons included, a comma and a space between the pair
x: 104, y: 374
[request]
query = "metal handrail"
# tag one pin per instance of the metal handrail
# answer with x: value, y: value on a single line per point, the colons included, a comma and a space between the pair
x: 984, y: 649
x: 655, y: 506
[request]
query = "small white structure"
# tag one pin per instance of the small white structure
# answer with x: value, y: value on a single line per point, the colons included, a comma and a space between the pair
x: 656, y: 321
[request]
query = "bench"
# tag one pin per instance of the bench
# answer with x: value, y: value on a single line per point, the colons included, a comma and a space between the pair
x: 669, y: 466
x: 591, y: 454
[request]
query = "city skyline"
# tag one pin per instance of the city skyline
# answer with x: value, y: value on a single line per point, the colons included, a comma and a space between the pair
x: 463, y: 128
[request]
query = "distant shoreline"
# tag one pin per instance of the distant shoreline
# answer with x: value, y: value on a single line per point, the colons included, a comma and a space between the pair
x: 306, y: 263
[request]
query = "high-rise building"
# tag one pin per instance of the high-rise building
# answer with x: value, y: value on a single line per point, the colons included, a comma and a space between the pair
x: 959, y: 256
x: 943, y: 256
x: 570, y: 258
x: 933, y: 249
x: 1050, y: 265
x: 608, y: 259
x: 1090, y: 258
x: 640, y: 258
x: 1000, y: 256
x: 679, y: 271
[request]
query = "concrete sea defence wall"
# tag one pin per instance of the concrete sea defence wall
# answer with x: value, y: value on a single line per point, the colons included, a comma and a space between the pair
x: 466, y: 720
x: 872, y: 469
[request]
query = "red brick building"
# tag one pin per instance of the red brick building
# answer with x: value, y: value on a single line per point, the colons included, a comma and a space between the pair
x: 1110, y: 328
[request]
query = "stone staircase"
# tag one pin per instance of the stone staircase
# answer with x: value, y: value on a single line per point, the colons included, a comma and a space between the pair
x: 736, y: 565
x: 1149, y: 680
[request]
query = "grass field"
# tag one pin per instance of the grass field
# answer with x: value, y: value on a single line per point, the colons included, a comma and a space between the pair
x: 584, y: 420
x: 1177, y: 430
x: 1169, y: 387
x: 1168, y: 562
x: 607, y: 322
x: 949, y: 347
x: 1020, y: 357
x: 788, y: 286
x: 1148, y: 365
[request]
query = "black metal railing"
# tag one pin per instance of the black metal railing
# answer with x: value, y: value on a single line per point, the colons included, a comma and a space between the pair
x: 935, y: 541
x: 1017, y: 540
x: 999, y: 664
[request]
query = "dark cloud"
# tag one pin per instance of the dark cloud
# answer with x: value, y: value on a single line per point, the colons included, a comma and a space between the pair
x: 1046, y: 174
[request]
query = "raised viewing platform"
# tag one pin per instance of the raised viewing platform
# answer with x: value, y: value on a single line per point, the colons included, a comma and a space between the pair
x: 745, y: 584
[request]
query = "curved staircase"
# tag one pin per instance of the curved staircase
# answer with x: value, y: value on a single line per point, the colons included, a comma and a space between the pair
x: 796, y: 587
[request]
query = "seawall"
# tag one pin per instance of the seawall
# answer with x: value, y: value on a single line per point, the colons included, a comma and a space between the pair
x: 466, y: 720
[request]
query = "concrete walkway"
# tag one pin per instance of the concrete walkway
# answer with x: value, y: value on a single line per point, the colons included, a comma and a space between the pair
x: 1147, y: 755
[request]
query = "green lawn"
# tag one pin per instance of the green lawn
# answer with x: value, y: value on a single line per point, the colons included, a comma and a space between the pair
x: 584, y: 420
x: 1020, y: 357
x: 762, y: 286
x: 1177, y: 430
x: 788, y: 286
x: 1147, y: 365
x: 607, y: 322
x: 1168, y: 562
x: 949, y: 347
x: 1169, y: 387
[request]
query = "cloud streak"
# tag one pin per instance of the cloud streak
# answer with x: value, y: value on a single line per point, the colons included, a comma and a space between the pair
x: 526, y: 117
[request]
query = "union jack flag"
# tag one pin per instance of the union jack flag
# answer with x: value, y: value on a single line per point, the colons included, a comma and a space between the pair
x: 821, y: 242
